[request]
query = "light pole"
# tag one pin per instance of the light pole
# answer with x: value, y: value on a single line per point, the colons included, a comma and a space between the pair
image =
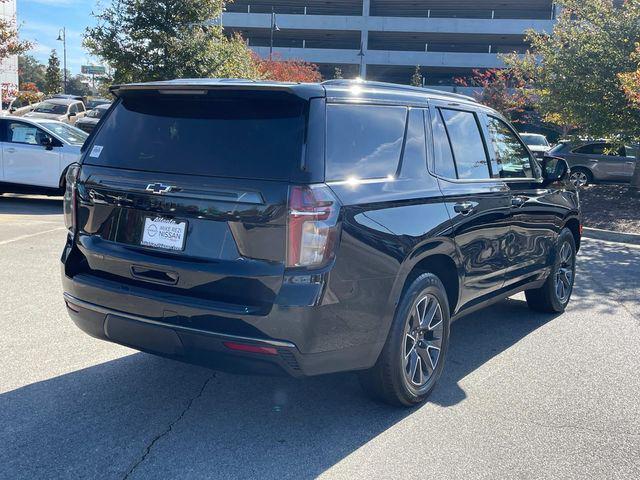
x: 62, y: 37
x: 274, y: 28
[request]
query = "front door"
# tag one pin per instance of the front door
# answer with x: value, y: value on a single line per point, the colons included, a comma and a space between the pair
x: 25, y: 160
x: 478, y: 205
x: 534, y: 226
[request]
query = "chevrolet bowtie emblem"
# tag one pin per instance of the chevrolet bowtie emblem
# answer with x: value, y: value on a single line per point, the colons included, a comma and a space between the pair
x: 159, y: 188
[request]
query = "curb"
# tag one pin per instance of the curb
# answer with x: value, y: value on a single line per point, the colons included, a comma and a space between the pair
x: 611, y: 236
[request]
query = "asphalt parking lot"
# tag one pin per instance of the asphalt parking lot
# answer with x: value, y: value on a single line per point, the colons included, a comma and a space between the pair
x: 524, y: 395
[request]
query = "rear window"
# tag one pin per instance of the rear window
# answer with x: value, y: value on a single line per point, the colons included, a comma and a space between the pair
x: 364, y: 141
x: 249, y: 135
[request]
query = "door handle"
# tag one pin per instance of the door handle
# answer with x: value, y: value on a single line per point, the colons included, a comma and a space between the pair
x: 518, y: 201
x: 10, y: 150
x: 464, y: 208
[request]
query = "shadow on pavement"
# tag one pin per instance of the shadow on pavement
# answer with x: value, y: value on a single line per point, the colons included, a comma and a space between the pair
x: 178, y: 420
x: 29, y: 205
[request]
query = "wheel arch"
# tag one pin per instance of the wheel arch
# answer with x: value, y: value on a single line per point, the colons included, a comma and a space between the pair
x: 442, y: 266
x: 573, y: 224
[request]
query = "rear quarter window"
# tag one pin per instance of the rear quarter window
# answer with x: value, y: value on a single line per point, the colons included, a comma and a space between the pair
x: 364, y: 141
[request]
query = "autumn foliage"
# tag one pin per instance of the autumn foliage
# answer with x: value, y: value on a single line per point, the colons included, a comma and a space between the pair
x: 287, y: 70
x: 501, y: 90
x: 631, y: 82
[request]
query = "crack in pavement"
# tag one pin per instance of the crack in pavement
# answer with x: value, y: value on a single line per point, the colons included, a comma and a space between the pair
x: 164, y: 433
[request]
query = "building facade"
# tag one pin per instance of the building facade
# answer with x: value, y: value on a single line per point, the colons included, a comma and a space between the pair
x: 8, y: 66
x: 386, y: 39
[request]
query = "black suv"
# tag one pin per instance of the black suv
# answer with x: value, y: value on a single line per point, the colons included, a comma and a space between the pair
x: 309, y: 228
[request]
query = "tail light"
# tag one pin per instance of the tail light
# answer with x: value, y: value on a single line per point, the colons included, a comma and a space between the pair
x: 70, y: 197
x: 312, y: 225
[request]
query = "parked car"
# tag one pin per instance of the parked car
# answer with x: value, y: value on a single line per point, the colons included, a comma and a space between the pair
x: 36, y: 153
x: 310, y: 228
x: 65, y: 96
x: 600, y: 161
x: 91, y: 119
x: 18, y: 106
x: 537, y: 143
x: 96, y: 102
x: 60, y: 109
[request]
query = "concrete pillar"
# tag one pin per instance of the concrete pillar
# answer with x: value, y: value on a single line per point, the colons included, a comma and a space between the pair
x: 364, y: 37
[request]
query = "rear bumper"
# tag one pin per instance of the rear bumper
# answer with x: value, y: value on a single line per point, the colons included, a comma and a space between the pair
x: 154, y: 324
x: 181, y: 342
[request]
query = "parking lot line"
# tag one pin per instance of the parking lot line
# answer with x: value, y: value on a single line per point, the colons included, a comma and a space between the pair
x: 23, y: 237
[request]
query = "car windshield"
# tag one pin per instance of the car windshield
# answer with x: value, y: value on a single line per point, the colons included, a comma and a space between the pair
x: 70, y: 134
x: 94, y: 103
x: 96, y: 113
x: 54, y: 108
x: 537, y: 140
x: 558, y: 148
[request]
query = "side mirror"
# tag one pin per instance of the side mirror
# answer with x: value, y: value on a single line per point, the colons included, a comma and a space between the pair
x: 72, y: 114
x: 47, y: 142
x: 554, y: 169
x: 12, y: 110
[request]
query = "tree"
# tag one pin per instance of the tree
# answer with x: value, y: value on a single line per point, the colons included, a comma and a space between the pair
x: 10, y: 44
x: 29, y: 93
x: 287, y: 70
x: 575, y: 71
x: 631, y: 81
x: 145, y: 40
x: 53, y: 75
x: 31, y: 71
x: 76, y: 86
x: 416, y: 78
x: 501, y: 89
x: 631, y: 87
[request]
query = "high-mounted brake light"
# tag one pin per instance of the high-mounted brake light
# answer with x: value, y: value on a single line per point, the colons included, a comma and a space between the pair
x: 312, y: 225
x: 70, y: 197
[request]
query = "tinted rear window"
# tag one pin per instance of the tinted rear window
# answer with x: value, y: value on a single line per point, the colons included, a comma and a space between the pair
x: 243, y: 136
x: 364, y: 141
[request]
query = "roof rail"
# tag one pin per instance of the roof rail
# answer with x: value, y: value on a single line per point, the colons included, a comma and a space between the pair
x: 397, y: 86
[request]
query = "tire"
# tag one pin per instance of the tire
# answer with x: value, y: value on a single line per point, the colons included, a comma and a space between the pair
x: 398, y: 377
x: 581, y: 177
x: 555, y: 293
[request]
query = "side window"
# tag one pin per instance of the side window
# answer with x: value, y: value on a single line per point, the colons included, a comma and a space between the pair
x: 414, y: 159
x: 467, y: 145
x: 24, y: 133
x: 17, y: 103
x: 630, y: 152
x: 512, y: 157
x: 364, y: 141
x: 80, y: 107
x: 590, y: 149
x: 73, y: 108
x: 444, y: 164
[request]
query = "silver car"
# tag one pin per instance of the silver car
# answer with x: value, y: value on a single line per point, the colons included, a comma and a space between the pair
x: 598, y: 161
x: 60, y: 109
x: 538, y: 144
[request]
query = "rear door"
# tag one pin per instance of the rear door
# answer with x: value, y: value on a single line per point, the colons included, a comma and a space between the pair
x: 187, y: 194
x: 25, y: 160
x: 479, y: 205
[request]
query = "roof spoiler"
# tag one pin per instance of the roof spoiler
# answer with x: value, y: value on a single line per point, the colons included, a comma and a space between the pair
x: 203, y: 86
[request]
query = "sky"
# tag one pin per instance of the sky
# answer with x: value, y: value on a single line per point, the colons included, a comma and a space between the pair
x: 40, y: 21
